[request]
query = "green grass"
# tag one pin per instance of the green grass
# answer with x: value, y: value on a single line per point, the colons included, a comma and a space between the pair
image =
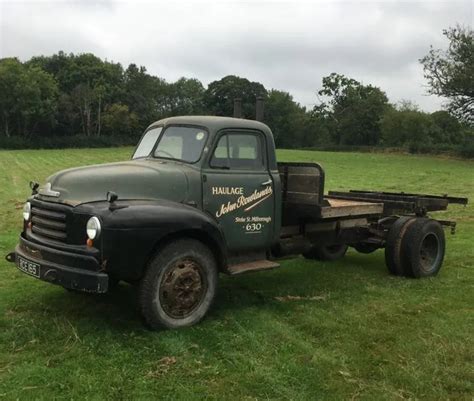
x: 348, y: 330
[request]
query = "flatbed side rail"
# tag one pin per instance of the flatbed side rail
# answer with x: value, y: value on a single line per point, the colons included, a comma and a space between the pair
x: 399, y: 203
x: 450, y: 199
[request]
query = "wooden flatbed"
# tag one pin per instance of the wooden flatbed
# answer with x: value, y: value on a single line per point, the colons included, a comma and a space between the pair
x: 349, y: 208
x: 304, y: 202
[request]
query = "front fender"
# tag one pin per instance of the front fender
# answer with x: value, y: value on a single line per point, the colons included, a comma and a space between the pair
x: 132, y: 230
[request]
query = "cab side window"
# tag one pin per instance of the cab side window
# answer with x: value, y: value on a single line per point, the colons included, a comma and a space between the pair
x: 242, y: 151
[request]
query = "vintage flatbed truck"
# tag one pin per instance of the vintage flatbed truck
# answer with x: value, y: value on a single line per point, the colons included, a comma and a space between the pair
x: 203, y: 196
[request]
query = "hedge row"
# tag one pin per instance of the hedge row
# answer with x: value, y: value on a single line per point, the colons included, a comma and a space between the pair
x: 465, y: 150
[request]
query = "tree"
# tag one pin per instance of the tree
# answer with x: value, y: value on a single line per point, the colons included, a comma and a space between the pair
x: 118, y: 120
x: 12, y: 90
x: 405, y: 125
x: 28, y: 97
x: 83, y: 98
x: 450, y: 73
x: 406, y: 128
x: 95, y: 85
x: 142, y: 94
x: 219, y: 96
x: 354, y: 111
x: 448, y: 128
x: 186, y: 97
x: 287, y: 120
x: 88, y: 86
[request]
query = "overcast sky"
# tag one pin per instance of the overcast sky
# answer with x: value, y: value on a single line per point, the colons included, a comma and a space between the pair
x: 287, y: 45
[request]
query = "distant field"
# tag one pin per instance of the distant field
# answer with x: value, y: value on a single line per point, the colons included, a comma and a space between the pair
x: 306, y: 331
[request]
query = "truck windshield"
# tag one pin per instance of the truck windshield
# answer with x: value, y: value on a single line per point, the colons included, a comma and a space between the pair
x: 147, y: 143
x: 181, y: 143
x: 176, y: 143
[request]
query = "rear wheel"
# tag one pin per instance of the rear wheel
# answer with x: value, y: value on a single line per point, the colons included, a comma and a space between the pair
x: 326, y: 252
x: 179, y: 285
x: 393, y: 245
x: 423, y: 248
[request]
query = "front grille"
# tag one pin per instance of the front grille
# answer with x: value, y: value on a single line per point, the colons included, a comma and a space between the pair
x: 48, y: 220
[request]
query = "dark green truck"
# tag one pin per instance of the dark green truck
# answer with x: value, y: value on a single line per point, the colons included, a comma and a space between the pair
x: 203, y: 196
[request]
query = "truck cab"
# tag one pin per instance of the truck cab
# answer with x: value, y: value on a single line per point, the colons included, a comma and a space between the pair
x: 238, y: 175
x: 205, y: 195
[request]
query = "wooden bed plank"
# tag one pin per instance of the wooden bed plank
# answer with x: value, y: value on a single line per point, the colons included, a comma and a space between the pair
x: 342, y: 208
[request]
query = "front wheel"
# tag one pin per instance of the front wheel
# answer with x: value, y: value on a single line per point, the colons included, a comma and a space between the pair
x: 179, y: 285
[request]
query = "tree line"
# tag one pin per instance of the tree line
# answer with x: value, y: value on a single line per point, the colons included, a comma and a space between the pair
x: 67, y: 96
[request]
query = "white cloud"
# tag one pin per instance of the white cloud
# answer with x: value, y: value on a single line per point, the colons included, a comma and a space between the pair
x: 288, y: 45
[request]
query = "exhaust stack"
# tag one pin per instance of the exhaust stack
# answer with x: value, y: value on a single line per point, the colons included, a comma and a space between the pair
x: 260, y: 109
x: 238, y: 108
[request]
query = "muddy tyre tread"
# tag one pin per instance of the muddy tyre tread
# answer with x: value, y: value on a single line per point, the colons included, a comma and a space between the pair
x: 152, y: 313
x: 415, y: 235
x: 394, y: 243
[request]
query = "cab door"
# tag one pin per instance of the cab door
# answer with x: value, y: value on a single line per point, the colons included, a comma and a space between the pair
x: 238, y: 189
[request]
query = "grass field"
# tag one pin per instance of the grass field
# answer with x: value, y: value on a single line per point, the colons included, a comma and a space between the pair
x: 306, y: 331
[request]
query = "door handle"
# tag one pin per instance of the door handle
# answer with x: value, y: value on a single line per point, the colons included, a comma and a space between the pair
x: 268, y: 182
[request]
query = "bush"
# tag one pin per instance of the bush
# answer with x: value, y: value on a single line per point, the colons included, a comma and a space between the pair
x: 467, y: 148
x: 356, y: 148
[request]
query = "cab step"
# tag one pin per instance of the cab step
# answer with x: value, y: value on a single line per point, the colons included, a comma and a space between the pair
x: 254, y: 266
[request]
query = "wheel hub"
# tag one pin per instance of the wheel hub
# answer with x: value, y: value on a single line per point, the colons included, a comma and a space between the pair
x: 429, y: 252
x: 182, y: 289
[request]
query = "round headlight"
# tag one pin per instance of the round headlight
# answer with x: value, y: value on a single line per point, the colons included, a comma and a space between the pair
x: 27, y: 211
x: 93, y: 227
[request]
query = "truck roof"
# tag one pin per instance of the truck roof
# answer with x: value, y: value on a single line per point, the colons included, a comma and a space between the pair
x: 214, y: 123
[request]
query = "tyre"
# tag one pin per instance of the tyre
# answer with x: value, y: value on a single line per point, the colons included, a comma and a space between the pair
x: 393, y: 244
x: 326, y: 252
x: 179, y: 285
x: 423, y: 248
x: 365, y: 247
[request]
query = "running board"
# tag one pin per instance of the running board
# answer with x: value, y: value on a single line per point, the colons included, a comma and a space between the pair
x: 252, y: 267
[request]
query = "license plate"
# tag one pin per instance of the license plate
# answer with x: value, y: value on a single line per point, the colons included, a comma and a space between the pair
x: 31, y: 268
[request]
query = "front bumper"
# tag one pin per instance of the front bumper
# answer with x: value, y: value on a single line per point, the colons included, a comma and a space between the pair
x: 70, y: 270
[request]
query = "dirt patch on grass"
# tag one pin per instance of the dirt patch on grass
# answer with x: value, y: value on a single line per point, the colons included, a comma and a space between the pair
x: 164, y: 365
x: 289, y: 298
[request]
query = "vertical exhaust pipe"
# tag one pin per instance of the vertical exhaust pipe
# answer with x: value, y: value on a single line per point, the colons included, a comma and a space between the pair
x: 238, y: 108
x: 260, y: 109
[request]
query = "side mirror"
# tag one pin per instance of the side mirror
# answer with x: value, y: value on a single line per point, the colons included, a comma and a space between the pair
x: 111, y: 197
x: 34, y: 187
